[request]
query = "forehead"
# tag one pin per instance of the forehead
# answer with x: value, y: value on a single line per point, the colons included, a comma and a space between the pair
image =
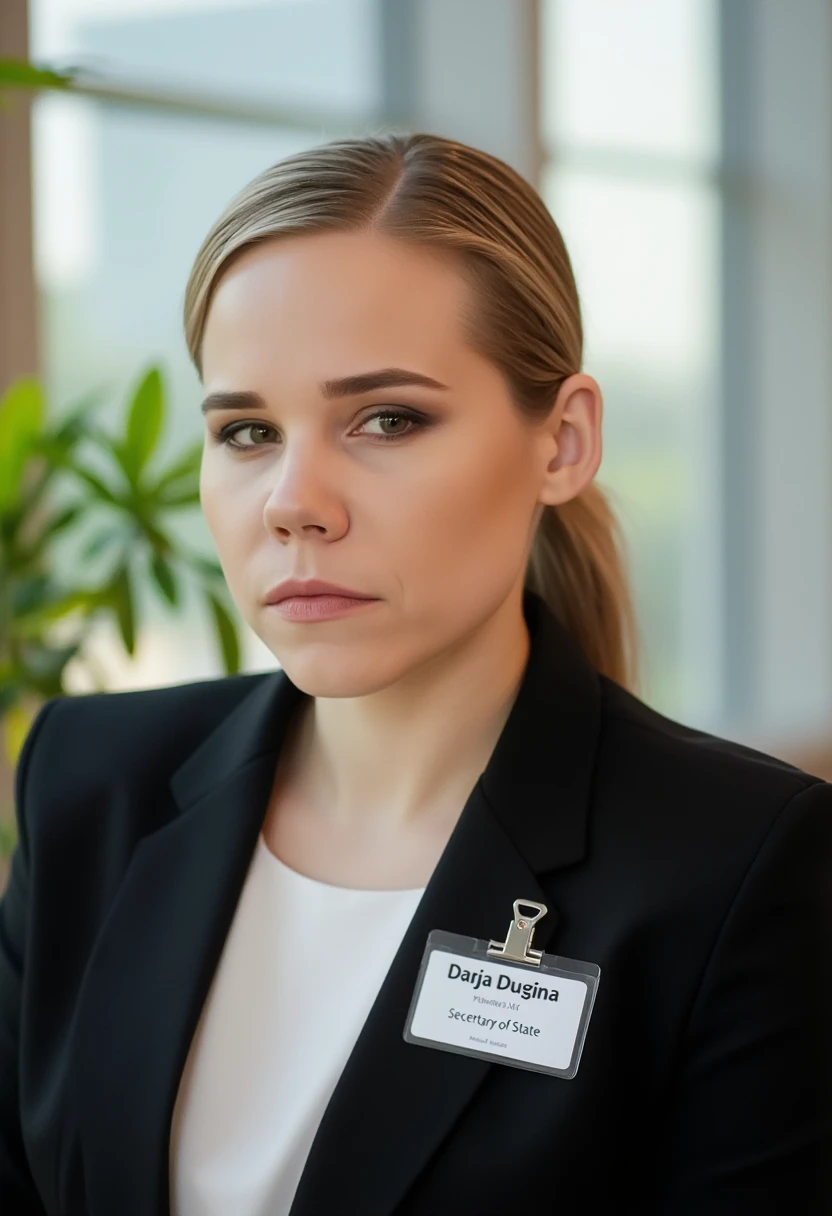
x: 338, y: 297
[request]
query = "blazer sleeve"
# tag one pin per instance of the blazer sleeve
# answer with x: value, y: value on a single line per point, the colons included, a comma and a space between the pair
x: 750, y: 1122
x: 18, y: 1193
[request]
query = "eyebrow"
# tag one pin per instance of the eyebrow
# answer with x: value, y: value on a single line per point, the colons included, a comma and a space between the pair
x: 346, y: 386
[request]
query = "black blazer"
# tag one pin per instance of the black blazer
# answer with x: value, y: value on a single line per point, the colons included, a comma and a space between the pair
x: 696, y: 873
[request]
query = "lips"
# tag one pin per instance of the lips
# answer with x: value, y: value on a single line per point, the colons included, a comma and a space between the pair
x: 311, y: 588
x: 311, y: 608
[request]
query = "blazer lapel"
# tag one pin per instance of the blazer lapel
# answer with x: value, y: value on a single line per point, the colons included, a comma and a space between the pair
x: 395, y: 1101
x: 157, y: 952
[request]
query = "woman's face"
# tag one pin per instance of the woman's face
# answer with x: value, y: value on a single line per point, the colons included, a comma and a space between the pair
x: 435, y: 521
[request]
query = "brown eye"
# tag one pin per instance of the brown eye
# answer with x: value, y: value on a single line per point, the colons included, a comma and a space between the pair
x: 395, y: 416
x: 225, y: 435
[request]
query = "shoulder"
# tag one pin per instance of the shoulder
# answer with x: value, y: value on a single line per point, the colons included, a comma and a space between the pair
x: 82, y: 750
x: 693, y: 804
x: 173, y: 718
x: 676, y: 751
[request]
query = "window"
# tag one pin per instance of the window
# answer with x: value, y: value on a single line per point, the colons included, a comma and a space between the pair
x: 630, y: 124
x: 124, y: 194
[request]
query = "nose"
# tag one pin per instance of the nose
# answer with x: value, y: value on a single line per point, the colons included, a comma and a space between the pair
x: 302, y: 498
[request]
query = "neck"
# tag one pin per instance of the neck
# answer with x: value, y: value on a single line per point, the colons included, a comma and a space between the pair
x: 412, y: 752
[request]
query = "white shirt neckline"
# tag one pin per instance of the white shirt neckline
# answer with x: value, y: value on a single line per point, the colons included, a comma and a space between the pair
x: 303, y: 881
x: 280, y: 1020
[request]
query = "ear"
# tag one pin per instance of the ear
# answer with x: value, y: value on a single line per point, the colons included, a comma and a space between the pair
x: 570, y: 440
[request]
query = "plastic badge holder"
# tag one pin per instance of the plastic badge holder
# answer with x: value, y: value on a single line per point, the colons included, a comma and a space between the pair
x: 503, y: 1001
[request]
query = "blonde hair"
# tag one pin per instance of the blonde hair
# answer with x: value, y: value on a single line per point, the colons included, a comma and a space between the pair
x: 432, y: 191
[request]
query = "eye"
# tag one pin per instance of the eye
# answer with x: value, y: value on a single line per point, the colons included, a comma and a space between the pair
x: 224, y: 436
x: 396, y: 415
x: 417, y: 421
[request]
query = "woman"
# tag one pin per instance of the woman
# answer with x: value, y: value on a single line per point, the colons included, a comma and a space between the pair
x: 212, y: 939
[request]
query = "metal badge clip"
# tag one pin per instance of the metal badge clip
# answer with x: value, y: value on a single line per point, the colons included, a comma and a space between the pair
x: 517, y: 945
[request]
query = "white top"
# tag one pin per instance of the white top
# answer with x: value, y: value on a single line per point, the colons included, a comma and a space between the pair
x: 273, y: 1037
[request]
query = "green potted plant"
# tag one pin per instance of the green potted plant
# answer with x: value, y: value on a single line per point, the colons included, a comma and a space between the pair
x: 136, y: 500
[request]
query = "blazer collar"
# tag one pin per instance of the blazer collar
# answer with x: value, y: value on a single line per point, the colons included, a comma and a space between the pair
x: 156, y: 954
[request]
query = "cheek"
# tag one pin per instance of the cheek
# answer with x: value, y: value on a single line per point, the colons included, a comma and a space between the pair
x: 225, y: 496
x: 227, y: 513
x: 212, y: 492
x: 479, y: 504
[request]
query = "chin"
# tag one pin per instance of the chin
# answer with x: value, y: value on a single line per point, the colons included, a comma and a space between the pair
x: 328, y: 676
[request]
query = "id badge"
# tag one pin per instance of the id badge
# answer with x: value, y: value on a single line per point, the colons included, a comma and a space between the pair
x: 503, y: 1001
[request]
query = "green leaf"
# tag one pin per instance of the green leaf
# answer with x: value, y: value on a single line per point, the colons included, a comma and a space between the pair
x: 57, y: 523
x: 112, y: 535
x: 61, y: 521
x: 10, y: 694
x: 21, y: 422
x: 30, y: 622
x: 122, y: 601
x: 17, y: 73
x: 44, y: 664
x: 165, y: 577
x: 185, y: 468
x: 158, y: 540
x: 30, y: 593
x: 100, y: 490
x: 144, y: 424
x: 226, y: 634
x: 16, y: 724
x: 8, y: 838
x: 76, y: 416
x: 179, y: 498
x: 34, y: 492
x: 204, y: 566
x: 58, y: 439
x: 96, y: 434
x: 124, y: 460
x: 55, y: 450
x: 42, y: 594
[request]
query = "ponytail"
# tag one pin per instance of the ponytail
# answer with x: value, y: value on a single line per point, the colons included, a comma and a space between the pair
x: 576, y: 564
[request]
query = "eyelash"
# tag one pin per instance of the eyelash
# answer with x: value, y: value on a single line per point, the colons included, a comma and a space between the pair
x: 223, y: 436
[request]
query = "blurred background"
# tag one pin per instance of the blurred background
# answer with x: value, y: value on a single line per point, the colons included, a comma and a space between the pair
x: 684, y: 148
